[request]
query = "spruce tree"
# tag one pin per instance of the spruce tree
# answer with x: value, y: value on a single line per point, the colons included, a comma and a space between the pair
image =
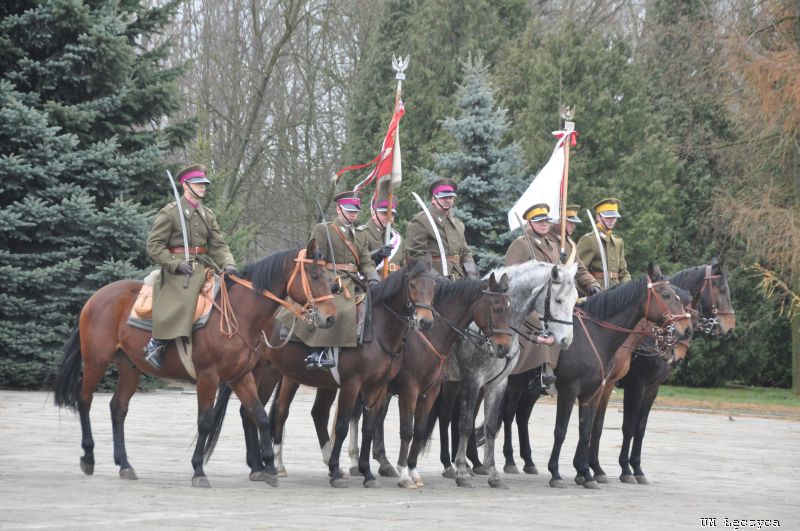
x: 82, y: 103
x: 489, y: 173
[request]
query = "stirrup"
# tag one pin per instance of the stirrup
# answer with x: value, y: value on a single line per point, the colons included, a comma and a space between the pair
x: 320, y: 360
x: 154, y: 348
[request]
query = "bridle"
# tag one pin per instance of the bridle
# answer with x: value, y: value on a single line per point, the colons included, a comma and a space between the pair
x: 708, y: 324
x: 479, y: 339
x: 409, y: 319
x: 547, y: 317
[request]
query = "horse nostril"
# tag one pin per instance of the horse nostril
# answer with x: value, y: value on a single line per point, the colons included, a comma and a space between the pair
x: 501, y: 349
x: 425, y: 324
x: 330, y: 321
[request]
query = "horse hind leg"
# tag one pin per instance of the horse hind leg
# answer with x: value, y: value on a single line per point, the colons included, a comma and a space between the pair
x: 493, y: 398
x: 126, y: 387
x: 245, y: 389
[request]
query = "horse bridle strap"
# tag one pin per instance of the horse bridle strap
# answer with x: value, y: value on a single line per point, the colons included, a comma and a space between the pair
x: 670, y: 318
x: 707, y: 283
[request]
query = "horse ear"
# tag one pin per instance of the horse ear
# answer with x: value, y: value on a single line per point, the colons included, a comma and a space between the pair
x: 492, y: 282
x: 653, y: 271
x: 572, y: 269
x: 504, y: 282
x: 427, y: 260
x: 716, y: 266
x: 311, y: 250
x: 408, y: 260
x: 554, y: 272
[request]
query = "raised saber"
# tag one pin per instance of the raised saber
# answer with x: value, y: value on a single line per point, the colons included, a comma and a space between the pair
x: 599, y: 247
x: 435, y: 232
x: 524, y: 235
x: 183, y: 227
x: 328, y: 234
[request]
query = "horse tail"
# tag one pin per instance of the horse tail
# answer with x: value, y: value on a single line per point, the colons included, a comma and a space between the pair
x: 67, y: 386
x: 433, y: 416
x: 220, y: 407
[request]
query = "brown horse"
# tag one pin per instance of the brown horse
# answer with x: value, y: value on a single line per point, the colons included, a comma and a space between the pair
x: 103, y: 335
x: 398, y: 303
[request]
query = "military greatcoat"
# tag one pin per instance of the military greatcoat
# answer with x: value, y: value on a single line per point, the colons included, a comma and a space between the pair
x: 421, y: 239
x: 375, y: 238
x: 351, y: 252
x: 614, y: 249
x: 173, y: 306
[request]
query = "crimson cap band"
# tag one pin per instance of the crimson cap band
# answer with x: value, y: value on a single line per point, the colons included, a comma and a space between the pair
x: 194, y: 174
x: 443, y: 188
x: 608, y: 208
x: 348, y: 201
x: 537, y: 212
x: 383, y: 206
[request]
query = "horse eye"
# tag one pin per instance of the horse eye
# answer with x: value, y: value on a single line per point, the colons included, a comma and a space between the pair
x: 559, y: 301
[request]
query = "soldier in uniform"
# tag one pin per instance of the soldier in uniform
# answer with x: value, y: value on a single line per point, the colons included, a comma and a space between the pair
x: 351, y: 253
x: 174, y: 305
x: 544, y: 238
x: 420, y: 238
x: 606, y: 216
x: 375, y: 230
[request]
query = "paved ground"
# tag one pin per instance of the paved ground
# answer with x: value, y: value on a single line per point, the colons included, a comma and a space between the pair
x: 699, y: 465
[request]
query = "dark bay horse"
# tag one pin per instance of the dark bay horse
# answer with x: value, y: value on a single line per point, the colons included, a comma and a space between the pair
x: 550, y: 291
x: 103, y: 336
x: 603, y: 323
x: 456, y: 305
x: 398, y: 303
x: 711, y: 299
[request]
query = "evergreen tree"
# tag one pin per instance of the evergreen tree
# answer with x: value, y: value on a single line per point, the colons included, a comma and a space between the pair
x: 81, y: 105
x: 489, y: 174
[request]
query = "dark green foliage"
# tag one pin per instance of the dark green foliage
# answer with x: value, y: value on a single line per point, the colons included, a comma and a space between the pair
x: 80, y: 106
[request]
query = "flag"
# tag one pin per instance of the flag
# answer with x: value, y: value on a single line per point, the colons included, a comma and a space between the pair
x: 546, y: 186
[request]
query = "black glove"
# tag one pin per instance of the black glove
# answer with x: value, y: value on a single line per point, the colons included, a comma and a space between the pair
x: 379, y: 254
x: 184, y: 267
x: 230, y: 270
x: 594, y: 290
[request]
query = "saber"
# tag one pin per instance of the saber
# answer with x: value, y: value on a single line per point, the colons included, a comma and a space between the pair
x: 527, y: 240
x: 600, y: 247
x: 435, y: 233
x: 183, y: 227
x: 328, y: 234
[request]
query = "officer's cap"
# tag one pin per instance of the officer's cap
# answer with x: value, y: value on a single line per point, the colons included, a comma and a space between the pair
x: 443, y: 188
x: 537, y: 212
x: 349, y: 201
x: 194, y: 174
x: 608, y: 208
x: 572, y: 213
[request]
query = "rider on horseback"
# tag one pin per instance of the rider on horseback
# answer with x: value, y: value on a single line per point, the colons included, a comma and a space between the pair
x: 375, y: 231
x: 174, y: 301
x: 606, y: 214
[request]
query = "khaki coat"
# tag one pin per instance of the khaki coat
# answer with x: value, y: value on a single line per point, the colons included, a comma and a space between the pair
x: 375, y: 238
x: 614, y: 249
x: 421, y: 239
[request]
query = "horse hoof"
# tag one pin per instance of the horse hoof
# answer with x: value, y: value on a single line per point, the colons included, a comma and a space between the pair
x: 510, y: 469
x: 498, y: 483
x: 87, y: 468
x: 387, y: 470
x: 128, y: 473
x: 371, y: 483
x: 579, y: 479
x: 262, y: 475
x: 339, y: 483
x: 591, y: 484
x: 530, y: 469
x: 464, y: 482
x: 449, y: 473
x: 407, y: 483
x: 642, y: 480
x: 354, y: 471
x: 480, y: 470
x: 601, y: 478
x: 282, y: 472
x: 418, y: 482
x: 627, y: 478
x: 557, y: 484
x: 201, y: 481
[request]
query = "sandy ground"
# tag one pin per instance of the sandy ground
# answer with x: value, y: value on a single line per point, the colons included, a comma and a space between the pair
x: 699, y: 466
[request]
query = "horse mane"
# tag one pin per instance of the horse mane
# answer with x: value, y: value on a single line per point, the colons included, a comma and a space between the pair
x: 394, y: 283
x: 264, y: 272
x: 609, y: 303
x: 514, y: 270
x: 688, y: 279
x: 466, y: 289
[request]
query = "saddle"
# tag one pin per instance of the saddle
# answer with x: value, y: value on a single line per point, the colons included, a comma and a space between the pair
x: 141, y: 315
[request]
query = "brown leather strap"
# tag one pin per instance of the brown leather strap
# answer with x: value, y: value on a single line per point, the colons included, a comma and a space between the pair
x: 599, y: 275
x: 347, y: 242
x: 342, y: 267
x: 192, y: 250
x: 453, y: 259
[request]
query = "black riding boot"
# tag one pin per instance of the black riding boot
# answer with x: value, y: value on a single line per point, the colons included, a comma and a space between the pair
x: 321, y: 359
x: 542, y: 377
x: 154, y: 349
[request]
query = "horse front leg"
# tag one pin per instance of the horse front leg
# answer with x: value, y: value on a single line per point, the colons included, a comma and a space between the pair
x: 586, y: 414
x: 206, y: 392
x: 321, y: 413
x: 408, y: 402
x: 447, y: 405
x: 279, y: 412
x: 251, y: 442
x: 344, y: 410
x: 425, y: 405
x: 245, y: 389
x: 566, y: 398
x: 508, y: 409
x: 379, y: 443
x: 524, y: 409
x: 638, y: 437
x: 126, y: 387
x: 371, y: 417
x: 354, y: 449
x: 466, y: 425
x: 493, y: 398
x: 597, y: 431
x: 633, y: 401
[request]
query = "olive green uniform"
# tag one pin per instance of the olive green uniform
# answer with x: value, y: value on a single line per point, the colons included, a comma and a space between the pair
x: 375, y: 238
x: 173, y: 306
x: 421, y: 239
x: 614, y: 249
x: 344, y: 332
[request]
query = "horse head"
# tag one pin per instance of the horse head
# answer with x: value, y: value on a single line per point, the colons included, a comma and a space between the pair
x: 492, y: 313
x: 420, y: 280
x: 663, y: 306
x: 554, y: 301
x: 718, y: 317
x: 311, y: 287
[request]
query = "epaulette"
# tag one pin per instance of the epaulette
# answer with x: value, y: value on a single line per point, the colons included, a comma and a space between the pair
x: 361, y: 227
x: 170, y: 205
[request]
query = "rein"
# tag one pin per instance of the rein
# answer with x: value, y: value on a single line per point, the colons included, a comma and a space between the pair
x: 708, y: 324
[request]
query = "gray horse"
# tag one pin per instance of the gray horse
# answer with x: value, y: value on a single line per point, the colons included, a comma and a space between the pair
x: 533, y: 286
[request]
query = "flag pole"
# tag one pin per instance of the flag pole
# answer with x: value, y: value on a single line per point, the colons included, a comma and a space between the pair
x: 569, y: 126
x: 399, y: 65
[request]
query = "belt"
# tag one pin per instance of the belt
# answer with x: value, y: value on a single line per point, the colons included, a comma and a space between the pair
x: 342, y: 267
x: 393, y: 267
x: 192, y: 250
x: 599, y: 275
x: 454, y: 259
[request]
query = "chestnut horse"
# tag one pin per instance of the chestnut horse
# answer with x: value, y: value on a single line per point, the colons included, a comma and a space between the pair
x: 103, y: 335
